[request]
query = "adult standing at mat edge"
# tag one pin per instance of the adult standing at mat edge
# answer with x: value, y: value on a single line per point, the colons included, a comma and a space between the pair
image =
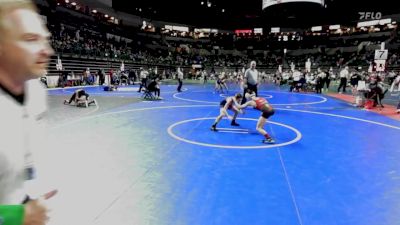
x: 180, y: 79
x: 24, y: 55
x: 250, y: 80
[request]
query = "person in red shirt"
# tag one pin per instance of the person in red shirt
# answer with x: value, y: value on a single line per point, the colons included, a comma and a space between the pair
x: 266, y: 109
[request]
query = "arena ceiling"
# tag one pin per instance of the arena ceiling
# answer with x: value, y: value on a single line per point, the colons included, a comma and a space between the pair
x: 233, y: 14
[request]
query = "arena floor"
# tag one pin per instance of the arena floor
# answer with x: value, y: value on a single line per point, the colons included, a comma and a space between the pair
x: 133, y: 162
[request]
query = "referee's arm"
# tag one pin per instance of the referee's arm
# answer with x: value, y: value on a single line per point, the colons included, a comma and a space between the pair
x: 246, y: 77
x: 257, y: 78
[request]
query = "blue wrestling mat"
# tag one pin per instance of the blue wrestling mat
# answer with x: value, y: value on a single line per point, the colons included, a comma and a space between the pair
x: 157, y: 162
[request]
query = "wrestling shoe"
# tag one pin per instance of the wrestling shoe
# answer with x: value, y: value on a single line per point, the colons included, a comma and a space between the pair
x: 93, y: 102
x: 233, y: 123
x: 268, y: 141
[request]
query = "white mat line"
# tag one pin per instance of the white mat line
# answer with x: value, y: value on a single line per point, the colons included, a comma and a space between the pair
x: 236, y: 132
x: 233, y: 129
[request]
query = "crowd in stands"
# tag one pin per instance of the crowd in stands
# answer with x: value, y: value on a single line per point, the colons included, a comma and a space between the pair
x: 362, y: 85
x: 88, y: 38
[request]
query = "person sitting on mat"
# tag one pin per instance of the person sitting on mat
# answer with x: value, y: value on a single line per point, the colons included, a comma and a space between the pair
x: 154, y: 86
x: 375, y: 91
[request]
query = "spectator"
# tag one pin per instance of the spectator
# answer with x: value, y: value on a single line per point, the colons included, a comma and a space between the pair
x: 180, y: 79
x: 354, y: 78
x: 154, y: 86
x: 102, y: 76
x: 296, y: 85
x: 320, y: 81
x: 344, y: 74
x: 143, y: 76
x: 375, y: 91
x: 396, y: 83
x: 132, y: 76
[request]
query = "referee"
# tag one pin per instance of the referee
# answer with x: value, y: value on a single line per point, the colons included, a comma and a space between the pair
x: 250, y: 80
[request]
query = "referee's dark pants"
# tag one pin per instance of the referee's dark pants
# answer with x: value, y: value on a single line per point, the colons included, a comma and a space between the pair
x: 143, y: 84
x: 179, y: 89
x: 343, y: 83
x: 249, y: 87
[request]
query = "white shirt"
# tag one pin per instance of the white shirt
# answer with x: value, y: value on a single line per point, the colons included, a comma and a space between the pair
x: 21, y: 134
x: 344, y: 73
x: 332, y: 75
x: 395, y: 83
x: 251, y: 76
x: 322, y: 74
x: 292, y: 67
x: 296, y: 76
x: 180, y: 75
x: 285, y: 75
x: 308, y: 78
x: 143, y: 74
x: 308, y: 66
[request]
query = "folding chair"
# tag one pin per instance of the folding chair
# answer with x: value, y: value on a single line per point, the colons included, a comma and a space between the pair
x: 148, y: 95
